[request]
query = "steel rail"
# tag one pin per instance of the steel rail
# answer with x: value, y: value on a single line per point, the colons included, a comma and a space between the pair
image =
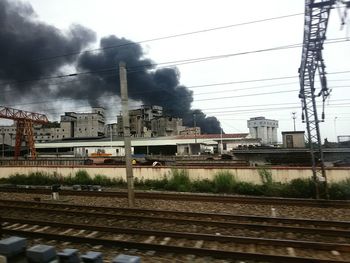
x: 240, y: 225
x: 172, y: 248
x: 225, y: 216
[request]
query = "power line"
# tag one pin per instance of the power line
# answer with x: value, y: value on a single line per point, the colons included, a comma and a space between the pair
x: 340, y: 105
x: 216, y: 98
x: 246, y: 88
x: 203, y: 59
x: 169, y: 63
x: 167, y: 37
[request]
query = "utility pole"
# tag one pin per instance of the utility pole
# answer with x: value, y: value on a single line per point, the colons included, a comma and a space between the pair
x: 222, y: 146
x: 195, y: 128
x: 3, y: 144
x: 111, y: 135
x: 294, y: 117
x: 126, y: 130
x: 335, y: 129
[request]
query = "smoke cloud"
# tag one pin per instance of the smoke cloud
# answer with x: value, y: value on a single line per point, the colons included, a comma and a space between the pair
x: 24, y: 40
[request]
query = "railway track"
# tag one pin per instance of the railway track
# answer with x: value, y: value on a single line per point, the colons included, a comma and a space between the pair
x: 189, y: 197
x: 173, y: 215
x: 149, y: 230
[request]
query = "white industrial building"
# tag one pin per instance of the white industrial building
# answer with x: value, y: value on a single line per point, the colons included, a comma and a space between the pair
x: 170, y: 145
x: 264, y: 129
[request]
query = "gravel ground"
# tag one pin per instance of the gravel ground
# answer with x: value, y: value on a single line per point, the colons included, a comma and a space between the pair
x: 340, y: 214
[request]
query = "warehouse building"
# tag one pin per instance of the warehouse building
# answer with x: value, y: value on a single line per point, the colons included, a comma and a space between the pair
x: 172, y: 145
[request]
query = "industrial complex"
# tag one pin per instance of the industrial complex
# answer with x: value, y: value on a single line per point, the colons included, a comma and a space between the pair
x: 109, y: 155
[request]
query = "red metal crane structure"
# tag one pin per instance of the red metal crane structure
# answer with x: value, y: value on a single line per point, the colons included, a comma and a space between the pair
x: 24, y: 127
x: 315, y: 27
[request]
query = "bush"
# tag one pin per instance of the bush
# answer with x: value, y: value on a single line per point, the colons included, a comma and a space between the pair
x: 82, y: 177
x: 340, y: 190
x: 119, y: 181
x: 17, y: 179
x: 156, y: 184
x: 302, y: 188
x: 272, y: 189
x: 36, y: 178
x: 203, y: 186
x: 179, y: 181
x: 224, y: 181
x: 102, y: 180
x: 245, y: 188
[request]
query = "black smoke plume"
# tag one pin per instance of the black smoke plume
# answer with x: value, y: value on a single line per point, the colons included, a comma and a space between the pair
x: 24, y: 41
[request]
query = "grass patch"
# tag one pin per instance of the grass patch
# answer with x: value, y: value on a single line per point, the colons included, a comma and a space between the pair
x: 179, y: 180
x: 224, y: 182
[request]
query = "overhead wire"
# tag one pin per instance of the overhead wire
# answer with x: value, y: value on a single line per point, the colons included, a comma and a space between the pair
x: 167, y: 37
x: 189, y: 95
x: 134, y: 69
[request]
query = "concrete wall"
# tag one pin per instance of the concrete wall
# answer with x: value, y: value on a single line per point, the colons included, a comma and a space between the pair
x: 281, y: 174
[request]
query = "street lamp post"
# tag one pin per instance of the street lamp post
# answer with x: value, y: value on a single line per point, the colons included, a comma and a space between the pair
x: 11, y: 134
x: 294, y: 117
x: 222, y: 146
x: 195, y: 128
x: 3, y: 144
x: 335, y: 128
x: 111, y: 134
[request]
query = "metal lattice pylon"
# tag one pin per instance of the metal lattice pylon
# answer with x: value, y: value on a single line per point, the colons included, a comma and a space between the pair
x: 315, y: 26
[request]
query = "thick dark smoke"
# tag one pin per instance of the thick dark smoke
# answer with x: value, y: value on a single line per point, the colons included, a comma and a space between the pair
x: 23, y: 39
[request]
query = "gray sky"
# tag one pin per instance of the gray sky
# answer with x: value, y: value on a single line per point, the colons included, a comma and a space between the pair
x: 142, y: 20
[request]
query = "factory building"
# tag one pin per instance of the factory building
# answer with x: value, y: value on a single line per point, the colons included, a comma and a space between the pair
x: 149, y: 121
x: 72, y: 125
x: 190, y: 131
x: 264, y: 129
x: 77, y: 125
x: 167, y: 145
x: 166, y: 126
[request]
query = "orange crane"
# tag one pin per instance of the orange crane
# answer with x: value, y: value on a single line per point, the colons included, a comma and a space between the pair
x: 24, y: 127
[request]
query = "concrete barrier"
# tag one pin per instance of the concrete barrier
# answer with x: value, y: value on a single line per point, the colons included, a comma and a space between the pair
x: 247, y: 174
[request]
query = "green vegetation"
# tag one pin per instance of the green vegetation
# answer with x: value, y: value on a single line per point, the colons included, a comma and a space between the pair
x: 224, y: 182
x: 80, y: 177
x: 265, y: 176
x: 179, y: 180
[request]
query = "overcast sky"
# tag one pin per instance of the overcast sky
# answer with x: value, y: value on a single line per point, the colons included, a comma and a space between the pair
x: 143, y: 20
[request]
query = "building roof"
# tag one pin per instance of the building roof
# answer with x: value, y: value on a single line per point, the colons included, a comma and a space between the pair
x: 213, y: 136
x: 295, y: 132
x: 154, y: 141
